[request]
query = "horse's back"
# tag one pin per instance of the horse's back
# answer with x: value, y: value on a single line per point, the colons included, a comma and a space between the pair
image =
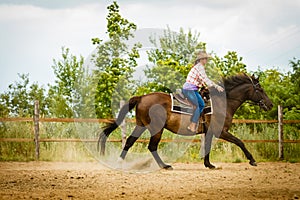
x: 155, y: 98
x: 152, y: 107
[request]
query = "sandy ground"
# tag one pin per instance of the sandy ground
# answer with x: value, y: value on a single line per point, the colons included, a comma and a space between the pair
x: 55, y: 180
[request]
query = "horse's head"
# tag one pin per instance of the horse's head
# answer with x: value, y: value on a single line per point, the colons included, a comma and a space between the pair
x: 258, y: 95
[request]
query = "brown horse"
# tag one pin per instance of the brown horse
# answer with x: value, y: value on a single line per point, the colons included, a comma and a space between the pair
x: 153, y: 112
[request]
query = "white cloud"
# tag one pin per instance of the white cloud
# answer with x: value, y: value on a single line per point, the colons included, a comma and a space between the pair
x: 33, y: 36
x: 260, y: 31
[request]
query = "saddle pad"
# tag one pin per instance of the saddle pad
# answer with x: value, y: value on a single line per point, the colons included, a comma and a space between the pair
x: 184, y: 109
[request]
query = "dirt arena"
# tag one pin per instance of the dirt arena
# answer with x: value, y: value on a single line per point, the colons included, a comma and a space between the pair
x: 55, y: 180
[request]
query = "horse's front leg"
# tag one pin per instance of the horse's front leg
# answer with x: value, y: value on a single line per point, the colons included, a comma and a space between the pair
x: 208, y: 140
x: 230, y: 138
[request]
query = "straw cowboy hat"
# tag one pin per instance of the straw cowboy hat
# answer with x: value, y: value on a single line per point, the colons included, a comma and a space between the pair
x: 203, y: 54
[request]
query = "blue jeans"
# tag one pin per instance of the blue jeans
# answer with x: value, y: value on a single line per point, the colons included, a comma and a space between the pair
x: 194, y: 97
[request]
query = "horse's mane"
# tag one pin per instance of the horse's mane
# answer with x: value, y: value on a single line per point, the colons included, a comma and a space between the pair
x: 233, y: 81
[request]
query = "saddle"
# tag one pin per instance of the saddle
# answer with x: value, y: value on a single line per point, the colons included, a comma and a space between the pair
x: 181, y: 98
x: 181, y: 104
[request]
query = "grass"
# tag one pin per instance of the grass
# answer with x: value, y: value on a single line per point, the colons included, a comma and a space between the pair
x: 171, y: 152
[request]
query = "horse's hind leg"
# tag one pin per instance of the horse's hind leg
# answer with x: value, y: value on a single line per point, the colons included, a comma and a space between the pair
x: 137, y: 132
x: 154, y: 141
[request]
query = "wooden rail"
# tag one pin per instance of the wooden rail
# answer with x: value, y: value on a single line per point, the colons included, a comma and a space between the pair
x: 36, y: 120
x: 139, y: 140
x: 90, y: 120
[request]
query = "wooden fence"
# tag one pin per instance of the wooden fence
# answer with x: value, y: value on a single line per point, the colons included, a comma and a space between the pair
x: 37, y: 120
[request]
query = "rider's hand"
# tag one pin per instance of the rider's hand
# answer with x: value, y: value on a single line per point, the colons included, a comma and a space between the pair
x: 219, y: 88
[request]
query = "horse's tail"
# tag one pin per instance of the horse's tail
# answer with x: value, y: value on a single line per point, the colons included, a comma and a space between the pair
x: 115, y: 124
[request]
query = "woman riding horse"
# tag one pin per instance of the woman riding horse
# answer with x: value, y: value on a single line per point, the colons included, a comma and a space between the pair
x: 196, y: 79
x: 153, y: 112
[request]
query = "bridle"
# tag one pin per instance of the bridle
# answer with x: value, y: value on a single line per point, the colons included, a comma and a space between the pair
x: 260, y: 100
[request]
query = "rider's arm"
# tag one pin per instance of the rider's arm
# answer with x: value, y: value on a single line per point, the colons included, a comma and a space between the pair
x: 203, y: 77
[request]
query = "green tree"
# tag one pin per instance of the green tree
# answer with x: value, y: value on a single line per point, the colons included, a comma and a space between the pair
x: 115, y: 62
x: 4, y: 105
x: 295, y: 88
x: 231, y: 64
x: 181, y: 47
x: 172, y: 59
x: 64, y: 93
x: 282, y: 89
x: 174, y: 56
x: 291, y: 101
x: 19, y: 99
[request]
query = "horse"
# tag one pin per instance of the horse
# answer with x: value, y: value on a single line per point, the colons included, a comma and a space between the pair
x: 153, y: 112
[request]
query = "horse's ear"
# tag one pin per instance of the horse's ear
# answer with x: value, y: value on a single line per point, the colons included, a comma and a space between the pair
x: 255, y: 78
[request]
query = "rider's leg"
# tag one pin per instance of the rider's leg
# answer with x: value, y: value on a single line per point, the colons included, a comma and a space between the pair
x: 200, y: 107
x: 201, y: 102
x: 194, y: 97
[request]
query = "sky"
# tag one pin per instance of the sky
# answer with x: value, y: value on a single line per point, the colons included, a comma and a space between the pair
x: 32, y: 32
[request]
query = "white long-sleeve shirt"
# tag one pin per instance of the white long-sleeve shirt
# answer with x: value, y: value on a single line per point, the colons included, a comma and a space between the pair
x: 198, y: 77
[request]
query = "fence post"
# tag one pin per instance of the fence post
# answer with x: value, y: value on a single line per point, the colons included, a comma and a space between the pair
x: 36, y: 129
x: 280, y: 131
x: 123, y: 126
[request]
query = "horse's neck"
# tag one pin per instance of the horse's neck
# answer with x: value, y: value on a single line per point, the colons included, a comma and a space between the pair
x: 236, y: 98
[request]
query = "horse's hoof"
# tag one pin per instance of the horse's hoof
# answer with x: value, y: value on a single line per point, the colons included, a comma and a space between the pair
x: 253, y: 163
x: 210, y: 166
x: 168, y: 167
